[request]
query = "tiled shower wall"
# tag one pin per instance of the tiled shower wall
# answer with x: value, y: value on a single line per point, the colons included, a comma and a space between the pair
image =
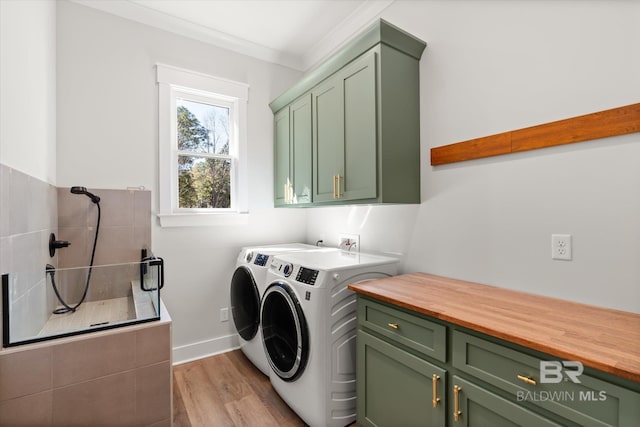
x: 125, y: 228
x: 31, y: 209
x: 121, y: 376
x: 28, y: 214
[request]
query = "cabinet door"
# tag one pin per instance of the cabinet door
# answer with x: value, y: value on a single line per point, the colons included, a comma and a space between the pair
x: 328, y: 138
x: 300, y: 117
x: 282, y: 159
x: 396, y: 388
x: 358, y: 175
x: 479, y: 407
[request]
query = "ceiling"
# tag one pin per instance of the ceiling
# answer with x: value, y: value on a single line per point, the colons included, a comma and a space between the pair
x: 294, y: 33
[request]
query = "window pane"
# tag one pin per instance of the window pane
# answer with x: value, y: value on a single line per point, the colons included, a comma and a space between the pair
x: 204, y: 182
x: 202, y: 128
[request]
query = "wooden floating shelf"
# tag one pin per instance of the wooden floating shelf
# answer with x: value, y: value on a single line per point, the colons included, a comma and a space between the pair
x: 617, y: 121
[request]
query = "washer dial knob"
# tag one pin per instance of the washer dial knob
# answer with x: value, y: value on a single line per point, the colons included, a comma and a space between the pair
x: 287, y: 269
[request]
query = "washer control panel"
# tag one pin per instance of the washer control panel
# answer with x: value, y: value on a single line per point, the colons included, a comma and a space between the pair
x: 261, y: 260
x: 283, y: 268
x: 307, y: 276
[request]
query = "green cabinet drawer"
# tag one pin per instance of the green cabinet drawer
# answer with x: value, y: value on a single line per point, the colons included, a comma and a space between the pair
x: 396, y: 388
x: 591, y: 402
x: 411, y: 330
x: 477, y: 407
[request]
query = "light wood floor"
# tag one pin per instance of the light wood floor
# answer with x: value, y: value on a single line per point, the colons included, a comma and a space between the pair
x: 227, y: 390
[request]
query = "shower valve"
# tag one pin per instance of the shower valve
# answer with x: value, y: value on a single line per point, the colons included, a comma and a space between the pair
x: 56, y: 244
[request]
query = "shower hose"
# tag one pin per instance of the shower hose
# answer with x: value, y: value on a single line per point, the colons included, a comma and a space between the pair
x: 66, y: 308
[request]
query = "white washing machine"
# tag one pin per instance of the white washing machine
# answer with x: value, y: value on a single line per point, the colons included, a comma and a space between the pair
x: 308, y: 322
x: 247, y: 287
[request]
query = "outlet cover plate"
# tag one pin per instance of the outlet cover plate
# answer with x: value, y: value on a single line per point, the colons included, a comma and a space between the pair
x: 349, y: 242
x: 561, y: 247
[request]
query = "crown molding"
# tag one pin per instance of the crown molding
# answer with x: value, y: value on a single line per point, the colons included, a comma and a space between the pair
x: 359, y: 19
x: 356, y: 21
x: 144, y: 15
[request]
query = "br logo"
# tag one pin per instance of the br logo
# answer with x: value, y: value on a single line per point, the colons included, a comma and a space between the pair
x: 553, y: 372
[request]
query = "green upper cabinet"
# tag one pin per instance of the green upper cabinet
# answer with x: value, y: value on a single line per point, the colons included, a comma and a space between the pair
x: 364, y: 115
x: 328, y: 138
x: 344, y: 134
x: 292, y: 153
x: 282, y: 157
x: 301, y: 143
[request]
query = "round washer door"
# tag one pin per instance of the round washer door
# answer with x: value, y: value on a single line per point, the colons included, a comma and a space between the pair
x: 284, y: 331
x: 245, y: 303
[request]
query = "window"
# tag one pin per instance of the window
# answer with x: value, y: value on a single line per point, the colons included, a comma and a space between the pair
x: 202, y: 141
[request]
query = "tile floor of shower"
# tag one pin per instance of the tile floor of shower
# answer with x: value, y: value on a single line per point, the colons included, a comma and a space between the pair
x: 139, y: 305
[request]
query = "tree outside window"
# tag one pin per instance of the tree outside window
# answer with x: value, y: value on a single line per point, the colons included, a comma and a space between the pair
x: 204, y: 160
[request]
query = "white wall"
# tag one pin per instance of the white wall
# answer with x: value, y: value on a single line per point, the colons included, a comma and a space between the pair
x: 28, y: 87
x: 489, y: 67
x: 494, y: 66
x: 108, y: 138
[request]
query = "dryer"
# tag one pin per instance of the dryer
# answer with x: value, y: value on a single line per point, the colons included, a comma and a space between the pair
x: 308, y: 323
x: 247, y: 286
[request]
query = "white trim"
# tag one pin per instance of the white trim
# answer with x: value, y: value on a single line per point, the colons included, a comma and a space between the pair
x: 173, y: 82
x: 203, y: 219
x: 202, y: 349
x: 154, y: 18
x: 361, y: 17
x: 188, y: 79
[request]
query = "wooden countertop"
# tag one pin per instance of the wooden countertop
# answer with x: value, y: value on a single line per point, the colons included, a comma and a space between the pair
x: 601, y: 338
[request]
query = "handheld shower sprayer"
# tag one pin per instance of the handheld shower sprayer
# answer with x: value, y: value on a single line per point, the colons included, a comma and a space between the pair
x: 66, y: 308
x: 83, y: 190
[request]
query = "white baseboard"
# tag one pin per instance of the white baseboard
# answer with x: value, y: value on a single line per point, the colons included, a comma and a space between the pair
x: 202, y: 349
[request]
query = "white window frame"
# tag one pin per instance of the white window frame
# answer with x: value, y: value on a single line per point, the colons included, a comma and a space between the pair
x: 173, y: 83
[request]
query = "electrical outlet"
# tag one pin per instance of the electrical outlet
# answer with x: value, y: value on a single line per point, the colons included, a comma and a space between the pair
x: 349, y: 242
x: 224, y: 314
x: 561, y: 246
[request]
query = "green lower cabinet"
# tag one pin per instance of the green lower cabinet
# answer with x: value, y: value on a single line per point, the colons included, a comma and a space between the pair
x: 482, y: 381
x: 473, y: 406
x: 396, y: 388
x: 587, y: 401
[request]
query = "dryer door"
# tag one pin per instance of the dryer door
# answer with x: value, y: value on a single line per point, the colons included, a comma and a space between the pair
x: 284, y: 331
x: 245, y: 303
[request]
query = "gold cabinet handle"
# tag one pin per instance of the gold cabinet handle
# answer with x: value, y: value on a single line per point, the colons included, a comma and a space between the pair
x: 334, y: 187
x: 288, y: 193
x: 456, y: 403
x: 436, y: 399
x: 339, y: 186
x: 393, y: 325
x: 527, y: 380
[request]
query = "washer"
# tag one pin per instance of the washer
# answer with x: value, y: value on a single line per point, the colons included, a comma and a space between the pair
x: 247, y: 286
x: 308, y: 322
